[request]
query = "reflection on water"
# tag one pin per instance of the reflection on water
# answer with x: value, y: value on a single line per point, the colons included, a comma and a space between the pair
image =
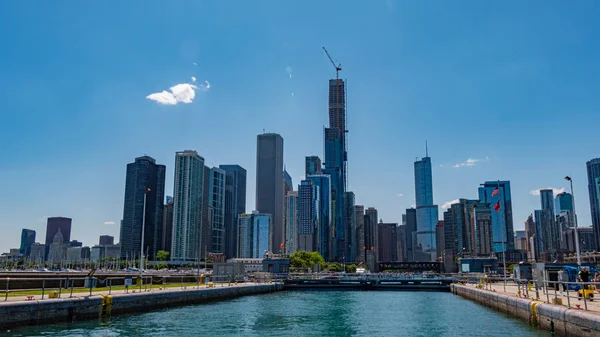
x: 308, y: 313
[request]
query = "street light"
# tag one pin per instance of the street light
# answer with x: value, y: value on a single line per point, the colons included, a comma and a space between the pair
x: 575, y: 222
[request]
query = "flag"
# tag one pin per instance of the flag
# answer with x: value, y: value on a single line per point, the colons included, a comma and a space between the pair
x: 495, y: 193
x: 497, y: 206
x: 148, y: 190
x: 281, y: 246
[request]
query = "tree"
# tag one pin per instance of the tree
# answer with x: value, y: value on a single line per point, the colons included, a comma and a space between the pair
x: 304, y: 260
x: 162, y: 255
x: 351, y: 268
x: 334, y: 267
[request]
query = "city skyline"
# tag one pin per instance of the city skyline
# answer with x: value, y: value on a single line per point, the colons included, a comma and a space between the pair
x: 507, y: 87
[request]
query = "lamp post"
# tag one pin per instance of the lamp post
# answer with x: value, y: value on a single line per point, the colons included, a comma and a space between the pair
x: 575, y: 223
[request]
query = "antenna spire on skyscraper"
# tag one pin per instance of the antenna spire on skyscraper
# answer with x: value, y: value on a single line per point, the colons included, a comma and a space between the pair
x: 426, y: 150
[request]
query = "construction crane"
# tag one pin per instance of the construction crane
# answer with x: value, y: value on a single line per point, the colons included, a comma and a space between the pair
x: 338, y: 68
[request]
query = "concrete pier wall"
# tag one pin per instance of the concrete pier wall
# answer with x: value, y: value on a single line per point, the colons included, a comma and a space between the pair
x: 15, y: 314
x: 560, y: 319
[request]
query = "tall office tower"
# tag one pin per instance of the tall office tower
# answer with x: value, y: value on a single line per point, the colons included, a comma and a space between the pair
x: 312, y: 166
x: 216, y: 200
x: 287, y: 182
x: 541, y: 245
x: 427, y: 212
x: 564, y: 222
x: 440, y: 239
x: 324, y: 239
x: 549, y: 225
x: 308, y: 216
x: 27, y: 239
x: 593, y: 174
x: 235, y: 204
x: 521, y: 240
x: 291, y: 225
x: 106, y: 240
x: 411, y: 230
x: 502, y: 220
x: 387, y: 239
x: 144, y: 178
x: 350, y: 228
x: 167, y: 232
x: 54, y: 225
x: 480, y: 220
x: 206, y: 217
x: 530, y: 234
x: 269, y: 184
x: 188, y: 205
x: 401, y: 243
x: 254, y: 235
x: 563, y: 203
x: 359, y: 214
x: 371, y: 233
x: 287, y: 187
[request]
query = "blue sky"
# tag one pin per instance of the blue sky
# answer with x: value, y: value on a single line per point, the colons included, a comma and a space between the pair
x: 511, y: 84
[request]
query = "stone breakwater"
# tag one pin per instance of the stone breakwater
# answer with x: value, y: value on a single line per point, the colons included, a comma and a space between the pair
x: 16, y: 314
x: 558, y: 319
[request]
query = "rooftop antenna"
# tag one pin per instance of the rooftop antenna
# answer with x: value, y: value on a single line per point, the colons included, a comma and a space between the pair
x: 426, y: 151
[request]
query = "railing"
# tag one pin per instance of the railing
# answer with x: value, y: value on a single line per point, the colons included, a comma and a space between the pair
x: 60, y: 287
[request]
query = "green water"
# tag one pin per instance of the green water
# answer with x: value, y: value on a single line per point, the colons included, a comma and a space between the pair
x: 308, y: 313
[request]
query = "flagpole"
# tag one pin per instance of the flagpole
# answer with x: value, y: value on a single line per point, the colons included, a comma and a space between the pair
x: 575, y: 223
x: 503, y: 243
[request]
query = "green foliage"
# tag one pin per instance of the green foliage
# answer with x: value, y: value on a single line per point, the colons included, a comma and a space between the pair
x: 334, y: 267
x: 162, y: 266
x: 351, y: 268
x: 512, y: 267
x: 162, y: 255
x: 304, y: 260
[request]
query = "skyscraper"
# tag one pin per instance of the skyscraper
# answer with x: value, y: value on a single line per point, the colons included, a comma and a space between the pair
x: 312, y: 166
x: 308, y: 216
x: 502, y: 220
x: 269, y: 182
x: 206, y: 217
x: 411, y: 232
x: 549, y: 225
x: 359, y: 214
x: 287, y: 182
x: 106, y: 240
x: 481, y: 229
x: 427, y: 212
x: 530, y: 232
x: 291, y: 216
x: 53, y: 226
x: 167, y: 232
x: 387, y: 239
x: 235, y: 204
x: 563, y: 203
x: 371, y: 233
x: 187, y: 205
x: 254, y: 237
x: 541, y: 245
x: 217, y: 203
x: 350, y: 227
x: 593, y: 173
x: 287, y: 187
x: 323, y: 240
x: 142, y: 174
x: 336, y: 157
x: 27, y: 239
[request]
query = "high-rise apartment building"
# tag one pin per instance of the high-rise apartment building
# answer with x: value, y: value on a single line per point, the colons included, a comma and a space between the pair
x: 269, y: 182
x: 167, y: 232
x: 287, y: 187
x: 27, y: 240
x: 145, y: 181
x: 106, y: 240
x: 549, y: 226
x: 371, y: 233
x: 427, y: 212
x: 502, y: 220
x: 440, y: 239
x: 540, y: 238
x: 53, y: 226
x: 206, y: 217
x: 359, y: 215
x: 187, y: 206
x: 235, y: 204
x: 593, y: 175
x: 323, y: 240
x: 531, y: 234
x: 308, y: 216
x: 387, y: 239
x: 216, y: 200
x: 411, y: 232
x: 521, y: 240
x: 254, y: 235
x: 481, y: 228
x: 350, y: 227
x: 291, y: 225
x: 312, y: 166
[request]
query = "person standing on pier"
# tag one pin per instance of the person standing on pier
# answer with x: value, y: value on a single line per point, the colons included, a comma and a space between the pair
x: 584, y: 276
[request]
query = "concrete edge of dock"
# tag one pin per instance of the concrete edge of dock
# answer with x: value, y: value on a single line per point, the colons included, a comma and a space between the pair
x: 558, y: 319
x: 18, y: 314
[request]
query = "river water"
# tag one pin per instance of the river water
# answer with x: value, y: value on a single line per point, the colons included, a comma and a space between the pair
x: 308, y: 313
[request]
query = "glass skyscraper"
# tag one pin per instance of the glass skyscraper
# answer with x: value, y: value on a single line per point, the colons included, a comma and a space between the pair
x: 308, y: 216
x: 187, y: 206
x: 312, y: 165
x: 217, y: 202
x: 235, y: 204
x: 254, y: 235
x: 27, y: 239
x: 291, y: 226
x: 502, y: 221
x: 427, y: 212
x: 549, y: 224
x: 323, y: 232
x: 593, y: 173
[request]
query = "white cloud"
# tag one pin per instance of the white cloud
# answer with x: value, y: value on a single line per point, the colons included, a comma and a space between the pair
x: 470, y: 162
x: 193, y: 79
x: 448, y: 203
x: 180, y: 93
x: 109, y: 223
x: 554, y: 190
x: 194, y: 63
x: 399, y: 194
x: 413, y: 206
